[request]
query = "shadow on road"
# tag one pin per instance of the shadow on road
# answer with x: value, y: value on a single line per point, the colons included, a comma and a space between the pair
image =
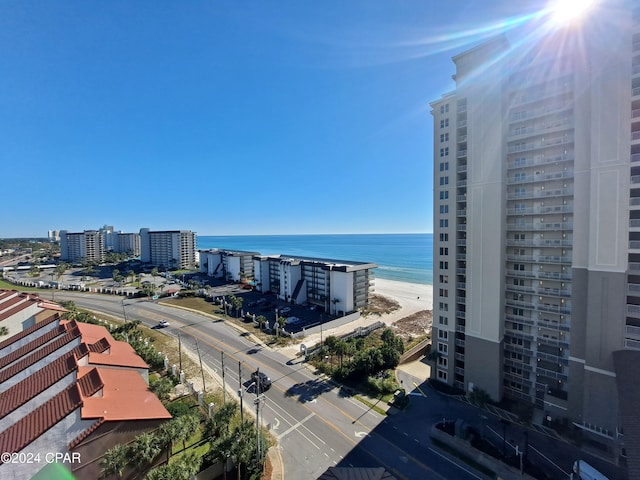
x: 309, y: 390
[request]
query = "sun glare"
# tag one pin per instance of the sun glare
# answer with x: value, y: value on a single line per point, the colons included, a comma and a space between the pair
x: 567, y: 11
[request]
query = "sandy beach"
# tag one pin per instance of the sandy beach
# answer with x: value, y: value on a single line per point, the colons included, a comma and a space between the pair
x: 412, y: 297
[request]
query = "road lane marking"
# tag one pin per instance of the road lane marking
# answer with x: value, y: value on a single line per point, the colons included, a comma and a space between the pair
x: 456, y: 464
x: 293, y: 427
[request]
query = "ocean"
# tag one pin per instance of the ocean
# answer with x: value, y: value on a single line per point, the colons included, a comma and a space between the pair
x: 400, y: 257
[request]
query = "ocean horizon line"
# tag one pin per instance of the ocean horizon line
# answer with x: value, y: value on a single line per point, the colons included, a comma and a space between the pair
x: 305, y: 234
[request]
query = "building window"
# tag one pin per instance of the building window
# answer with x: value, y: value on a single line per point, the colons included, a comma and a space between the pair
x: 443, y: 320
x: 444, y: 237
x: 520, y: 162
x: 520, y: 192
x: 444, y: 278
x: 442, y: 375
x: 443, y: 307
x: 444, y: 195
x: 444, y: 123
x: 444, y: 250
x: 444, y: 152
x: 444, y: 265
x: 520, y: 177
x: 443, y: 348
x: 443, y: 361
x: 444, y: 180
x: 444, y: 223
x: 444, y: 109
x: 444, y: 137
x: 444, y: 208
x: 444, y: 293
x: 444, y: 166
x: 443, y: 335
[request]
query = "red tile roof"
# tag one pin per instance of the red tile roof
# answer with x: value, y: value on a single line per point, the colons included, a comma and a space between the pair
x: 71, y: 335
x: 120, y: 354
x: 32, y: 346
x: 90, y: 383
x: 26, y: 430
x: 100, y: 346
x: 125, y: 396
x: 28, y: 331
x: 22, y: 392
x: 17, y: 308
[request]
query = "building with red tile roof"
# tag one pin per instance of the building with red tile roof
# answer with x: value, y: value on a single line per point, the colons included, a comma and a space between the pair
x: 69, y: 388
x: 20, y: 310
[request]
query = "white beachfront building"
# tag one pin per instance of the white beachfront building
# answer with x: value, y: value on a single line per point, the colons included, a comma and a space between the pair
x: 338, y: 286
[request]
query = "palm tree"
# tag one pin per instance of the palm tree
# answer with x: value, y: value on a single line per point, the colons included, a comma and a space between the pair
x: 282, y: 321
x: 335, y: 301
x: 145, y: 449
x: 244, y: 444
x: 188, y: 427
x: 261, y: 320
x: 221, y: 450
x: 114, y: 461
x: 221, y: 420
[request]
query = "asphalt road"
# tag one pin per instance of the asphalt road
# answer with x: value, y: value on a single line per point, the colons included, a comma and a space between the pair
x: 317, y: 424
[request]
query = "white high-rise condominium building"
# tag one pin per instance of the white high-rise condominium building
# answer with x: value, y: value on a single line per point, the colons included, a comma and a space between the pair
x: 172, y: 249
x: 537, y: 220
x: 81, y: 246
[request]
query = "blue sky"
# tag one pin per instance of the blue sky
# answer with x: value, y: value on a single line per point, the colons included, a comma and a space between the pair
x: 226, y: 117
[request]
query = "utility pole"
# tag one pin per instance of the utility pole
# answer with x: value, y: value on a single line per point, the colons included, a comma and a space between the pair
x: 204, y: 388
x: 224, y: 386
x: 124, y: 312
x: 240, y: 391
x: 257, y: 402
x: 180, y: 350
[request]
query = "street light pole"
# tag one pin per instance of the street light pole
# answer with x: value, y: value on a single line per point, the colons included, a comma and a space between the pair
x: 224, y: 386
x: 240, y: 391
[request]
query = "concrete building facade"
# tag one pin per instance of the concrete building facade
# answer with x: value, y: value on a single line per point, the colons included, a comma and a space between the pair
x: 537, y: 220
x: 230, y: 265
x: 82, y: 246
x: 171, y: 249
x: 338, y: 286
x: 128, y: 243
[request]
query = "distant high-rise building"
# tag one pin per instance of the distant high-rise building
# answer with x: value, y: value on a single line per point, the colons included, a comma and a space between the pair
x: 53, y: 235
x: 109, y: 236
x: 172, y: 249
x: 128, y: 243
x: 537, y: 220
x: 81, y: 246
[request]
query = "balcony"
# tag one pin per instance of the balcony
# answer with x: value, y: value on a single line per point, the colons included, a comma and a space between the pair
x: 633, y: 310
x: 462, y: 139
x: 461, y: 183
x: 555, y: 107
x: 459, y: 342
x: 520, y: 319
x: 461, y: 256
x: 461, y: 227
x: 634, y: 244
x: 537, y: 210
x: 635, y: 91
x: 634, y: 223
x: 461, y: 314
x: 462, y: 153
x: 541, y: 177
x: 461, y: 198
x: 462, y: 124
x: 461, y: 168
x: 539, y: 161
x: 635, y: 157
x: 540, y: 226
x: 525, y: 147
x: 461, y: 242
x: 540, y: 243
x: 633, y: 289
x: 461, y: 285
x: 559, y: 192
x: 562, y: 327
x: 461, y: 300
x: 632, y: 331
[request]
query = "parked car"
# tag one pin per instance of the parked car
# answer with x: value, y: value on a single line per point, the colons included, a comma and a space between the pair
x: 163, y: 324
x: 292, y: 321
x: 262, y: 381
x: 285, y: 310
